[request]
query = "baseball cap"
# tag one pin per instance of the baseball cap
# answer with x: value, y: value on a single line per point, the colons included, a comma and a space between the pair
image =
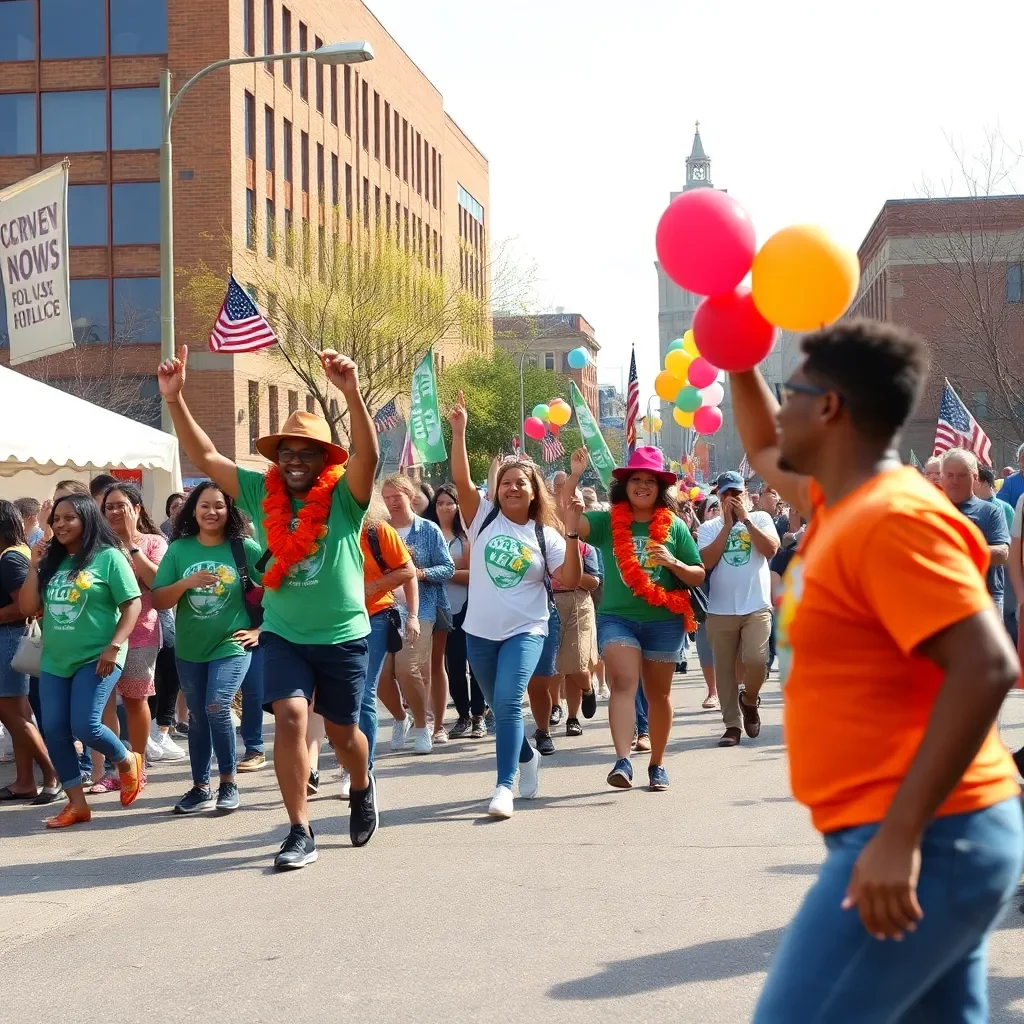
x: 730, y: 481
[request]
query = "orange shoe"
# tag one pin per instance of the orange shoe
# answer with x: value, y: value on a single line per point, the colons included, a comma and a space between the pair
x: 132, y: 782
x: 71, y: 815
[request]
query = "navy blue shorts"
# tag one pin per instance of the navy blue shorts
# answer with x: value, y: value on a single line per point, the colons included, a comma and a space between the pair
x: 330, y: 676
x: 549, y: 652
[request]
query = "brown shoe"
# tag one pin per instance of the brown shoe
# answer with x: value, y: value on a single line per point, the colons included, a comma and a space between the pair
x: 731, y: 737
x: 751, y: 718
x: 643, y: 742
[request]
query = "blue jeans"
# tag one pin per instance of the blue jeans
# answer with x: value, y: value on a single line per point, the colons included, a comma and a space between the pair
x: 74, y: 707
x: 656, y: 641
x: 503, y: 668
x: 642, y: 727
x: 209, y: 687
x: 771, y: 645
x: 829, y: 968
x: 252, y: 704
x: 377, y: 644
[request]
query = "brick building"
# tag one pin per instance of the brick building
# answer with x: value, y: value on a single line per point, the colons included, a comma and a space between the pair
x: 548, y: 338
x: 253, y: 145
x: 953, y: 270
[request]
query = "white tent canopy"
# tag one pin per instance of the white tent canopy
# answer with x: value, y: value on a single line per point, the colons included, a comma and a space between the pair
x: 45, y: 431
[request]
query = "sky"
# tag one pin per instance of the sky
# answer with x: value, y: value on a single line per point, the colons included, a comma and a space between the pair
x: 811, y: 112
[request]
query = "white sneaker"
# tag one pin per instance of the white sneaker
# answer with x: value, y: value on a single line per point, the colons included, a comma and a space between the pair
x: 421, y: 741
x: 169, y: 750
x: 529, y: 776
x: 344, y: 784
x: 399, y: 732
x: 502, y: 804
x: 236, y: 722
x: 154, y: 752
x: 441, y: 736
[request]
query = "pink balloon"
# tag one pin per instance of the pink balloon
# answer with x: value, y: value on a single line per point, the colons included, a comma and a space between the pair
x: 707, y: 419
x: 701, y: 373
x: 705, y: 241
x: 713, y: 394
x: 731, y: 333
x: 534, y: 428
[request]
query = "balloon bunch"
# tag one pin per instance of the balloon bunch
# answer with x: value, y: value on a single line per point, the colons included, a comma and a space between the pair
x: 652, y: 424
x: 801, y: 278
x: 544, y: 417
x: 691, y: 382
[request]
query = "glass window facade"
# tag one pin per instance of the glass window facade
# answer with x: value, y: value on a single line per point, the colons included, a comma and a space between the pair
x: 72, y: 28
x: 87, y: 214
x: 136, y: 213
x: 138, y: 26
x: 18, y: 30
x: 90, y: 310
x: 75, y: 122
x: 17, y: 123
x: 135, y: 118
x: 136, y: 310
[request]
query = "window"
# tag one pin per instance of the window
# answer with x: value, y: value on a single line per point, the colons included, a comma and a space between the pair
x: 366, y: 116
x: 348, y: 100
x: 376, y: 207
x: 320, y: 184
x: 137, y: 309
x: 288, y: 160
x: 273, y: 422
x: 387, y: 135
x: 289, y: 238
x: 293, y: 402
x: 334, y: 94
x: 319, y: 72
x: 979, y: 403
x: 268, y: 138
x: 75, y: 122
x: 248, y: 27
x: 376, y: 124
x: 405, y: 150
x: 321, y: 251
x: 254, y: 416
x: 72, y: 28
x: 405, y: 226
x: 87, y: 214
x: 387, y: 214
x: 1015, y: 282
x: 90, y: 310
x: 138, y: 28
x: 286, y: 44
x: 17, y: 123
x: 250, y: 126
x: 271, y: 230
x: 310, y: 404
x: 304, y: 161
x: 439, y: 187
x: 18, y: 30
x: 268, y: 32
x: 335, y: 197
x: 136, y: 213
x: 418, y: 170
x: 366, y: 202
x: 435, y: 164
x: 135, y: 118
x: 348, y: 191
x: 303, y: 64
x: 426, y: 170
x: 549, y: 360
x: 250, y: 219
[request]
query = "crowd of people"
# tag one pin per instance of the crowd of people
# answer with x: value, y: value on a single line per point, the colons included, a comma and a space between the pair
x: 309, y: 591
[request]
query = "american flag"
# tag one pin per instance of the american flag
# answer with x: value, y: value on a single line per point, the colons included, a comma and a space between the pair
x: 632, y: 403
x: 745, y: 469
x: 957, y: 428
x: 240, y: 327
x: 409, y: 457
x: 386, y: 417
x: 551, y: 447
x: 515, y: 445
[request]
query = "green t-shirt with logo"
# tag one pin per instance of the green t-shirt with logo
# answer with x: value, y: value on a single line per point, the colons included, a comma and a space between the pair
x: 81, y: 610
x: 321, y: 601
x: 618, y: 599
x: 207, y: 617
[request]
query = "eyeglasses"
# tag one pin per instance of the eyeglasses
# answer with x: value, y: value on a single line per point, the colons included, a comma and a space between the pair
x: 308, y: 456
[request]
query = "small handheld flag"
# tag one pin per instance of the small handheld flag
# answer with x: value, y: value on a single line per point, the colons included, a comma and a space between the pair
x: 240, y: 327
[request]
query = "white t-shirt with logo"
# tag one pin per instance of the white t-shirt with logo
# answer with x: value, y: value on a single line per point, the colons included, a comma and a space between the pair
x: 741, y: 582
x: 506, y: 579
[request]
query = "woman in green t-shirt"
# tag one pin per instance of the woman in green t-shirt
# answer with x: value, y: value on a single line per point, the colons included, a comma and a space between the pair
x: 215, y: 641
x: 650, y: 560
x: 90, y: 599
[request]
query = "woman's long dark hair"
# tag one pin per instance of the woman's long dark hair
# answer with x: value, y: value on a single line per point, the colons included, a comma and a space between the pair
x: 431, y: 513
x: 134, y: 495
x: 12, y: 526
x: 96, y: 535
x: 617, y: 493
x: 186, y: 524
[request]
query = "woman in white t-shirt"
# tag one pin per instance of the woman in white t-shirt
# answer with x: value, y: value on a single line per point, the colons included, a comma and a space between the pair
x: 513, y: 546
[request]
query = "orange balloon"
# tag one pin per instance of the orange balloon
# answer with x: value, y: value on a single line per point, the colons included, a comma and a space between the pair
x: 803, y: 279
x: 677, y: 362
x: 667, y: 385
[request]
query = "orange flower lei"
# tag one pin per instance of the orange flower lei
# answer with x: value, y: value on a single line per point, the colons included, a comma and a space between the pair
x: 289, y: 547
x: 632, y: 573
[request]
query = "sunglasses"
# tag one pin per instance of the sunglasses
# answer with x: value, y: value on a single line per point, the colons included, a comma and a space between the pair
x: 789, y: 389
x: 308, y: 456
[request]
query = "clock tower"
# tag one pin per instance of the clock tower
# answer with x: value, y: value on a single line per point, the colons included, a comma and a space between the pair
x: 698, y: 164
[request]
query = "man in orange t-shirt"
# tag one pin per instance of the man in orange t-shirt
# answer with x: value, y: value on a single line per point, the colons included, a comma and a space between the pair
x: 894, y: 664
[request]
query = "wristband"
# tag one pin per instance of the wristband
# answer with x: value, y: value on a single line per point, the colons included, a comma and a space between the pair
x: 572, y: 536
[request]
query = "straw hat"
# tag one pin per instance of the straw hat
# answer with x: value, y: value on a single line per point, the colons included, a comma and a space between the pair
x: 308, y: 427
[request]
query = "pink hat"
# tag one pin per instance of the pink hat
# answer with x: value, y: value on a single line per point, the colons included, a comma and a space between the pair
x: 646, y: 459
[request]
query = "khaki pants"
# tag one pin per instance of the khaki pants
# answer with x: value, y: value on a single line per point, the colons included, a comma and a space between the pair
x: 414, y: 658
x: 742, y: 637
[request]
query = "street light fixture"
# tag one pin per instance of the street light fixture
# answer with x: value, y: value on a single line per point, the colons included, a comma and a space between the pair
x: 331, y: 54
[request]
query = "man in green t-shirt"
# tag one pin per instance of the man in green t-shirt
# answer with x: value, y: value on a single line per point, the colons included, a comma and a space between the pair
x: 308, y: 518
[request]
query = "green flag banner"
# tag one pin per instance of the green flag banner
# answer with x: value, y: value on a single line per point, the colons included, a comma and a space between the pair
x: 600, y: 457
x: 424, y: 419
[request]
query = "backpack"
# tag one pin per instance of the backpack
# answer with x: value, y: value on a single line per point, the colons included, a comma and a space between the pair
x: 394, y: 640
x: 252, y: 594
x: 493, y: 514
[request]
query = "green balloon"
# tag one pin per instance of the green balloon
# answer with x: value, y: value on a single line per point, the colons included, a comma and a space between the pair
x: 689, y: 399
x: 541, y: 411
x: 673, y: 345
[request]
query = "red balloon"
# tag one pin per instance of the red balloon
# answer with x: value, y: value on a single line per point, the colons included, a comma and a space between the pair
x: 701, y: 373
x: 707, y: 419
x: 554, y: 428
x: 534, y: 427
x: 705, y: 241
x: 731, y: 333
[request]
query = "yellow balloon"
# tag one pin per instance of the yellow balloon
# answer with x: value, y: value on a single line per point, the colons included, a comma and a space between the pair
x: 690, y: 345
x: 658, y: 425
x: 998, y: 485
x: 667, y: 385
x: 559, y: 413
x: 694, y: 492
x: 684, y: 419
x: 677, y: 363
x: 803, y: 280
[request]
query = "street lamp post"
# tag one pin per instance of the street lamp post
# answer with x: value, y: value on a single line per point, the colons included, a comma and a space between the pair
x: 331, y: 53
x: 652, y: 438
x: 522, y: 397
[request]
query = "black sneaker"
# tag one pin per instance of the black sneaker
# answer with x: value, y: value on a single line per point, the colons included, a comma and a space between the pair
x: 460, y: 729
x: 556, y: 714
x: 363, y: 816
x: 573, y: 727
x: 227, y: 797
x: 543, y: 742
x: 298, y: 850
x: 751, y: 718
x: 313, y: 783
x: 196, y: 799
x: 590, y: 703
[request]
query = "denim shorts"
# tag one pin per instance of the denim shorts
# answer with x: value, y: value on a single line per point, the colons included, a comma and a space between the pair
x: 549, y: 653
x: 656, y: 641
x: 330, y: 676
x: 12, y: 684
